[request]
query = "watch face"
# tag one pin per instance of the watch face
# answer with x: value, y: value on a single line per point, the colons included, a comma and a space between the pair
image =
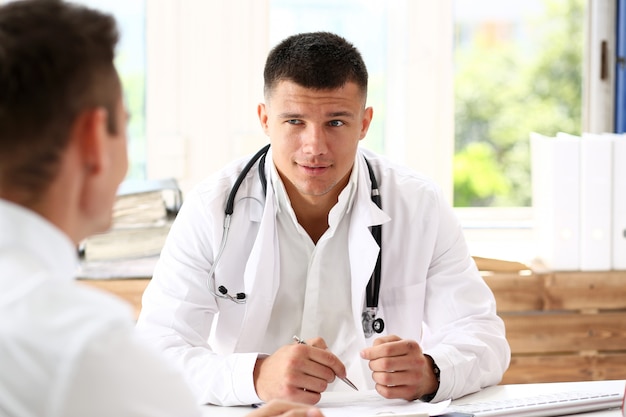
x: 427, y: 398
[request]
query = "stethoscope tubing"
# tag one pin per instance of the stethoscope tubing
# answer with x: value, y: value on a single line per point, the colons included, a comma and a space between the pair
x: 373, y: 286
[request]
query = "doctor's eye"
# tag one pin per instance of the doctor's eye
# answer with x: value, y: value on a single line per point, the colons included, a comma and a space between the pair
x: 294, y: 122
x: 336, y: 123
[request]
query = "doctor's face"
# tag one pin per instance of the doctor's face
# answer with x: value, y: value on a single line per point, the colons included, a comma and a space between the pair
x: 314, y: 136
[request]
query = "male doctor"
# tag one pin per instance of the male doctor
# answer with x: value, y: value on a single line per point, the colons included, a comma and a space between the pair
x: 299, y: 255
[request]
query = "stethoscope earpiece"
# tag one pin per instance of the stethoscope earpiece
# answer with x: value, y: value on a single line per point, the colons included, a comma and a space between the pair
x: 239, y: 298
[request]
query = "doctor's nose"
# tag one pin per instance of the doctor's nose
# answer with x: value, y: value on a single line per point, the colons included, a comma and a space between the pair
x: 314, y: 141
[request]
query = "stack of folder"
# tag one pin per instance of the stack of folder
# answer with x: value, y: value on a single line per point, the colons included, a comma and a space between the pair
x: 579, y: 201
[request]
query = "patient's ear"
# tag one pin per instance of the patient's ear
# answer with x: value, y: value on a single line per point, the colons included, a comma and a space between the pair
x: 89, y: 133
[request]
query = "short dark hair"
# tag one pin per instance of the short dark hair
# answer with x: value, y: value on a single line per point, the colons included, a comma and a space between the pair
x: 56, y: 60
x: 317, y: 60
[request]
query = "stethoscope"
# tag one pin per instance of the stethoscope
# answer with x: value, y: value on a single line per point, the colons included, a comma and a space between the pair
x: 371, y: 323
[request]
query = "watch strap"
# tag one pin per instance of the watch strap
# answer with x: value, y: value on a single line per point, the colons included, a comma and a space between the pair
x: 429, y: 397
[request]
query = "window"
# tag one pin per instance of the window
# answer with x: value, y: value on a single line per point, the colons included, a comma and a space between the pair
x: 130, y: 62
x: 206, y: 60
x: 206, y: 64
x: 407, y: 50
x: 288, y: 17
x: 620, y: 69
x: 518, y: 69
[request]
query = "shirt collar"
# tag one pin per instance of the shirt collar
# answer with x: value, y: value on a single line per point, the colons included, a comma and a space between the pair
x: 25, y: 230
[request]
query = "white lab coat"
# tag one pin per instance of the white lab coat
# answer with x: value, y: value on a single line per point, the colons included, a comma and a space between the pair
x: 431, y: 290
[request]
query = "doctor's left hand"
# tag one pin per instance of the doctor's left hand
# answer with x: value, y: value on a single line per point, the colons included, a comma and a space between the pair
x: 399, y: 368
x: 297, y: 372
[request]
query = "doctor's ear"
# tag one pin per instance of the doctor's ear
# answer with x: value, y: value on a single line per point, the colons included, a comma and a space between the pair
x: 368, y: 114
x: 262, y: 113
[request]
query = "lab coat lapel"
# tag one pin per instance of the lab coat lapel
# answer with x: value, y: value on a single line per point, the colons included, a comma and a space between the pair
x: 363, y: 249
x: 261, y: 279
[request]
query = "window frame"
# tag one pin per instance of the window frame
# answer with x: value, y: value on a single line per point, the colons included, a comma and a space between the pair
x: 620, y: 69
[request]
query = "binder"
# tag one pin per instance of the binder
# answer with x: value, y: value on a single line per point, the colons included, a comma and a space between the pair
x: 596, y: 191
x: 618, y: 228
x: 555, y: 175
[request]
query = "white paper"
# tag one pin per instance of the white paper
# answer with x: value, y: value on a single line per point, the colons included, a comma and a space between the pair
x: 370, y: 404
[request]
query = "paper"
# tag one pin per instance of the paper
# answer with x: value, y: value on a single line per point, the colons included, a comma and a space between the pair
x: 370, y: 404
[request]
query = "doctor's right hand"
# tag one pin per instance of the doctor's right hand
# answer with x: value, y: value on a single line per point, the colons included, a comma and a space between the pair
x: 297, y: 372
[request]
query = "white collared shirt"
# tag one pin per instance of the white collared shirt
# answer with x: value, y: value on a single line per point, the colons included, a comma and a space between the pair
x: 65, y: 349
x: 303, y: 307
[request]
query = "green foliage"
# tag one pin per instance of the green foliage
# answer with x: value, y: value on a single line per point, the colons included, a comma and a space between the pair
x: 478, y: 157
x: 504, y: 91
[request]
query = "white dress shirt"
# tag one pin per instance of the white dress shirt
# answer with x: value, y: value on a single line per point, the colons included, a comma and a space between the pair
x: 314, y: 296
x: 66, y: 349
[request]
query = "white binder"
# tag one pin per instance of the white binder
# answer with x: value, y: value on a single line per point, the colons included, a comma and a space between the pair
x: 556, y: 207
x: 596, y: 189
x: 618, y: 228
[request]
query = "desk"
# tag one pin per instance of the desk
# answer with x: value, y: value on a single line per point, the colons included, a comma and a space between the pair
x: 497, y: 392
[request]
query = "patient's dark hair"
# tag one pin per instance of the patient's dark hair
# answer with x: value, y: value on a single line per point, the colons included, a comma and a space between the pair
x: 56, y: 60
x: 316, y: 60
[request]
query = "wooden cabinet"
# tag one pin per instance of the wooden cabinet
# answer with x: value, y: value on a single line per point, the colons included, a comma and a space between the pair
x: 562, y: 326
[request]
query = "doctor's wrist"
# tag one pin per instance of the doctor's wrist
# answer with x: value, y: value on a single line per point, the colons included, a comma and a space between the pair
x: 437, y: 374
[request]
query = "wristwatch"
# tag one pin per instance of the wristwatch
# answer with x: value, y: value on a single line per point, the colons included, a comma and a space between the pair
x: 429, y: 397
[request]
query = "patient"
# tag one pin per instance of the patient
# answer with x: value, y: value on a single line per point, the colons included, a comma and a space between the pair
x: 67, y: 350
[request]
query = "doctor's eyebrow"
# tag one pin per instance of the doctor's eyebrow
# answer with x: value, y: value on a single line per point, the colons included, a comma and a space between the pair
x: 347, y: 114
x: 290, y: 116
x: 344, y: 114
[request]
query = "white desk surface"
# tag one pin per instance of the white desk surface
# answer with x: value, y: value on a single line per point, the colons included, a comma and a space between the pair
x: 497, y: 392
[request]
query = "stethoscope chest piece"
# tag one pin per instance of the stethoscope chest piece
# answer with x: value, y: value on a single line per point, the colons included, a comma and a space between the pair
x: 371, y: 324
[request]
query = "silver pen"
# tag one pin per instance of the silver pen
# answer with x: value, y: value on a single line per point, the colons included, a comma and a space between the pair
x: 346, y: 380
